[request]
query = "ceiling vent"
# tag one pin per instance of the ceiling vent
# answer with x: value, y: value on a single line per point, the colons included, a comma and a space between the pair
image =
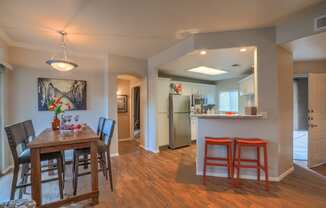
x: 320, y: 23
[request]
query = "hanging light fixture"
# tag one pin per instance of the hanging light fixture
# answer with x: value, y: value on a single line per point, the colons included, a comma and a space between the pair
x: 62, y: 64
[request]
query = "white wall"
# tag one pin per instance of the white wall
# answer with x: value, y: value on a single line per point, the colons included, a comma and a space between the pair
x: 23, y: 96
x: 23, y: 89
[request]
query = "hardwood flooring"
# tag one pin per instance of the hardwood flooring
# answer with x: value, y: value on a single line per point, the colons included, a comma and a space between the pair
x: 168, y: 180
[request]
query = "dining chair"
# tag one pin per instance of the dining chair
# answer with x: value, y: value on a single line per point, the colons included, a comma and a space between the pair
x: 98, y: 132
x: 18, y: 140
x: 105, y: 132
x: 30, y: 135
x: 30, y: 131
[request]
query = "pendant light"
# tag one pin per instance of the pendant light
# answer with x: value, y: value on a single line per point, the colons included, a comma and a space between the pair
x: 62, y: 64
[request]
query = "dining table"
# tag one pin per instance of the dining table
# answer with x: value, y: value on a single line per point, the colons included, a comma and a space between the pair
x: 49, y: 141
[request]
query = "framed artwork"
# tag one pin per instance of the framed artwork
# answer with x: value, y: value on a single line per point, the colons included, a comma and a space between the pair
x: 70, y: 91
x: 122, y: 103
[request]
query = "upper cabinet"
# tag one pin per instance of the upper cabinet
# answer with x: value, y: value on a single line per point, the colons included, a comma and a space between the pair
x: 247, y: 85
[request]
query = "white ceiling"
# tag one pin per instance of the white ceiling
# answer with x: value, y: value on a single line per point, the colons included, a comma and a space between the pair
x: 308, y: 48
x: 222, y: 59
x: 135, y: 28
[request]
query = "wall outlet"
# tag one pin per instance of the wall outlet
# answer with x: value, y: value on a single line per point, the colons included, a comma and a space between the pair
x: 264, y: 114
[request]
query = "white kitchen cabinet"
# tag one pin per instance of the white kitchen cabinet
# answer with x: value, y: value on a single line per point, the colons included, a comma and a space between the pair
x: 247, y: 85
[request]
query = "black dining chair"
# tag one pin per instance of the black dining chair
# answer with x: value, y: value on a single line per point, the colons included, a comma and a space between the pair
x: 18, y: 138
x: 105, y: 132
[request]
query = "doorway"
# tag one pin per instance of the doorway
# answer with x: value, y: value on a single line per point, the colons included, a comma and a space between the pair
x: 309, y: 121
x: 300, y: 120
x: 129, y: 113
x: 136, y: 111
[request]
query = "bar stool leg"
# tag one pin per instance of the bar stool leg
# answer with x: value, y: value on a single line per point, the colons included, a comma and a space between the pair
x: 266, y: 167
x: 238, y: 160
x: 258, y: 163
x: 234, y: 154
x: 228, y: 160
x: 205, y: 160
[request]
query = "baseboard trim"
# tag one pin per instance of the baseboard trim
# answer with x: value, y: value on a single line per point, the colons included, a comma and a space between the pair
x: 319, y: 164
x: 150, y: 150
x: 8, y: 169
x: 124, y: 140
x: 252, y: 177
x: 286, y: 173
x: 114, y: 155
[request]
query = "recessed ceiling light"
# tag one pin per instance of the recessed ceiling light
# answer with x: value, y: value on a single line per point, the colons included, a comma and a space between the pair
x: 243, y: 49
x: 207, y: 70
x: 203, y: 52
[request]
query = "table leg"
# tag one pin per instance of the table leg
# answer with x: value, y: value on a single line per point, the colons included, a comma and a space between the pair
x: 36, y: 176
x: 94, y: 173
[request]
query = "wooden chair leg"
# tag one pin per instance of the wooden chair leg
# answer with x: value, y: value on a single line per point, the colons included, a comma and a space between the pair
x: 266, y: 167
x: 14, y: 182
x: 110, y: 169
x: 59, y: 170
x: 75, y: 184
x: 205, y: 166
x: 258, y: 163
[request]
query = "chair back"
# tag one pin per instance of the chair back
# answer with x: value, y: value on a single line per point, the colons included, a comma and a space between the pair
x: 17, y: 138
x: 107, y: 131
x: 100, y: 126
x: 29, y: 128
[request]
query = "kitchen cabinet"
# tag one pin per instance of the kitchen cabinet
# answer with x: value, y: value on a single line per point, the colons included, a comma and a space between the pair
x: 247, y: 85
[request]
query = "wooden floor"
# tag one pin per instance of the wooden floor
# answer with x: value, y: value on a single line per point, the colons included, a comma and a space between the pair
x: 168, y: 179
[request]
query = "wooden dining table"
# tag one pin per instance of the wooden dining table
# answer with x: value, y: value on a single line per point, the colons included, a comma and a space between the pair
x: 54, y: 141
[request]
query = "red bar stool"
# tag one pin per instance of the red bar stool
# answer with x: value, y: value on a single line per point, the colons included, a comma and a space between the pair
x: 251, y: 142
x: 208, y: 161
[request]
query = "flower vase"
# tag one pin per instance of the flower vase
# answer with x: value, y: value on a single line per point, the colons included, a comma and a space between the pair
x: 55, y: 123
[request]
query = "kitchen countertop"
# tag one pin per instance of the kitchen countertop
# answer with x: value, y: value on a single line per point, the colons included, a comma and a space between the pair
x: 224, y: 116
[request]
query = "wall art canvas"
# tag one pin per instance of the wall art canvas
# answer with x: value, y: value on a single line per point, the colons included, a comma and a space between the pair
x: 122, y: 103
x: 70, y: 91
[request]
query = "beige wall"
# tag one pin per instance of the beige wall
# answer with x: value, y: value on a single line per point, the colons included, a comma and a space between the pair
x: 285, y: 108
x: 304, y: 67
x: 123, y: 88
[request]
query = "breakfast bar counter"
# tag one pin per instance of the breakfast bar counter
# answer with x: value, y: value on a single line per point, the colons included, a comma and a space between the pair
x: 232, y: 126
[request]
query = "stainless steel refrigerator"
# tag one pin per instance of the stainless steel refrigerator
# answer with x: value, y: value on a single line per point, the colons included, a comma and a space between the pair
x: 179, y: 121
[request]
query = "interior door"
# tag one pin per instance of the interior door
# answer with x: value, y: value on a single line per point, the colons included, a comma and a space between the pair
x: 316, y: 119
